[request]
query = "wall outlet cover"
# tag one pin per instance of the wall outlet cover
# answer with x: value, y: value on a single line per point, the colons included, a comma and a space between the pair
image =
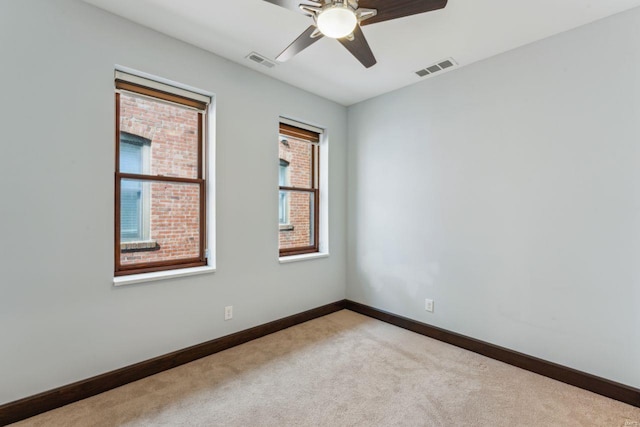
x: 428, y: 305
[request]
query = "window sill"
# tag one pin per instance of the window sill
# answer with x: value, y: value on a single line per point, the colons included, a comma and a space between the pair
x: 139, y: 246
x: 302, y: 257
x: 161, y: 275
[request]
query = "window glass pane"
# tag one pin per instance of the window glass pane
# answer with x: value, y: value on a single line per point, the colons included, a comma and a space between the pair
x: 131, y: 211
x: 169, y: 133
x: 300, y: 208
x: 297, y: 155
x: 130, y: 155
x: 283, y: 209
x: 159, y: 221
x: 283, y: 177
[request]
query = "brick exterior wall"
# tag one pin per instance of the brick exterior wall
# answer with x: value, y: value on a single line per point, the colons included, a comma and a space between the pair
x: 174, y: 208
x: 298, y: 154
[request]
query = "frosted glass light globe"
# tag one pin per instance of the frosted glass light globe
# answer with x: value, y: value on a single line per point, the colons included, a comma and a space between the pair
x: 337, y: 22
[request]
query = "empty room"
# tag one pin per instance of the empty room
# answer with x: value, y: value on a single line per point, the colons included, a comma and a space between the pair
x: 320, y: 213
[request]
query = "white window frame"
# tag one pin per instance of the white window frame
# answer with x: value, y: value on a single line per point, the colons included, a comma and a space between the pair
x: 323, y: 170
x: 209, y: 141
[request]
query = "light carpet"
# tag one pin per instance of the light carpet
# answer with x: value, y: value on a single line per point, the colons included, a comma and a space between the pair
x: 344, y: 369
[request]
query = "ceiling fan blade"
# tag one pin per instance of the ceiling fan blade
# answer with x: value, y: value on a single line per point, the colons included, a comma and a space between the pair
x: 393, y: 9
x: 359, y: 48
x: 303, y: 41
x: 293, y: 4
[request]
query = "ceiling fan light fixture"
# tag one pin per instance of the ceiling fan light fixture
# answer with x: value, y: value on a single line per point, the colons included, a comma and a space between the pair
x: 336, y: 21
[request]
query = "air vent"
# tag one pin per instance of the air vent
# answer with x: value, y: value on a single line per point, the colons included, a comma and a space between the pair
x: 446, y: 64
x: 435, y: 68
x: 259, y: 59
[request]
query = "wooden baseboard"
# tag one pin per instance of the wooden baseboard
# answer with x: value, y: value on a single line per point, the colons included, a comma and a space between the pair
x: 580, y: 379
x: 33, y: 405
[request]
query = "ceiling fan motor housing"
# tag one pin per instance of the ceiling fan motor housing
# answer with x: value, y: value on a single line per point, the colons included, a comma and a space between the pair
x: 337, y: 19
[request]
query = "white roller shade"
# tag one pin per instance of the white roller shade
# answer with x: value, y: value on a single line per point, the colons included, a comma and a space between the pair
x: 142, y: 81
x: 301, y: 125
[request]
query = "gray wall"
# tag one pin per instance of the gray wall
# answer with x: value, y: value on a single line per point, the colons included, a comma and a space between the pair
x: 509, y: 192
x: 61, y: 319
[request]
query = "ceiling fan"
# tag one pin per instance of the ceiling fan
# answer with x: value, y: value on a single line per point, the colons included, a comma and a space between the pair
x: 341, y: 20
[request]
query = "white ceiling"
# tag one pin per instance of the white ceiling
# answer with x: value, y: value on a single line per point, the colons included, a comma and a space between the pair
x: 467, y: 30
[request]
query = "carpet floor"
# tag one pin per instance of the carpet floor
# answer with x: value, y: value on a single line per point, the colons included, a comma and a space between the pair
x: 344, y: 369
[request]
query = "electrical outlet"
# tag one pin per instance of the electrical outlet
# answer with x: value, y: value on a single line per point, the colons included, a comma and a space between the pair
x: 428, y: 305
x: 228, y: 312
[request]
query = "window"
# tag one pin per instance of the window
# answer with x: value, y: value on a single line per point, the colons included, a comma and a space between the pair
x: 299, y: 193
x: 160, y: 187
x: 283, y: 209
x: 134, y: 219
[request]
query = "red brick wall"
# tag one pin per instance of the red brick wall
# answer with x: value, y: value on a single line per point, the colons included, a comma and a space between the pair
x: 174, y: 208
x: 298, y: 154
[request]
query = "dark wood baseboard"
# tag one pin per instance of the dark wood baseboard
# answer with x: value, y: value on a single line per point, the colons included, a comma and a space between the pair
x: 602, y: 386
x: 33, y: 405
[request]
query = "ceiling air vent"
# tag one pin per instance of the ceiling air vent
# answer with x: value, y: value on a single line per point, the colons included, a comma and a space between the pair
x: 435, y: 68
x: 259, y: 59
